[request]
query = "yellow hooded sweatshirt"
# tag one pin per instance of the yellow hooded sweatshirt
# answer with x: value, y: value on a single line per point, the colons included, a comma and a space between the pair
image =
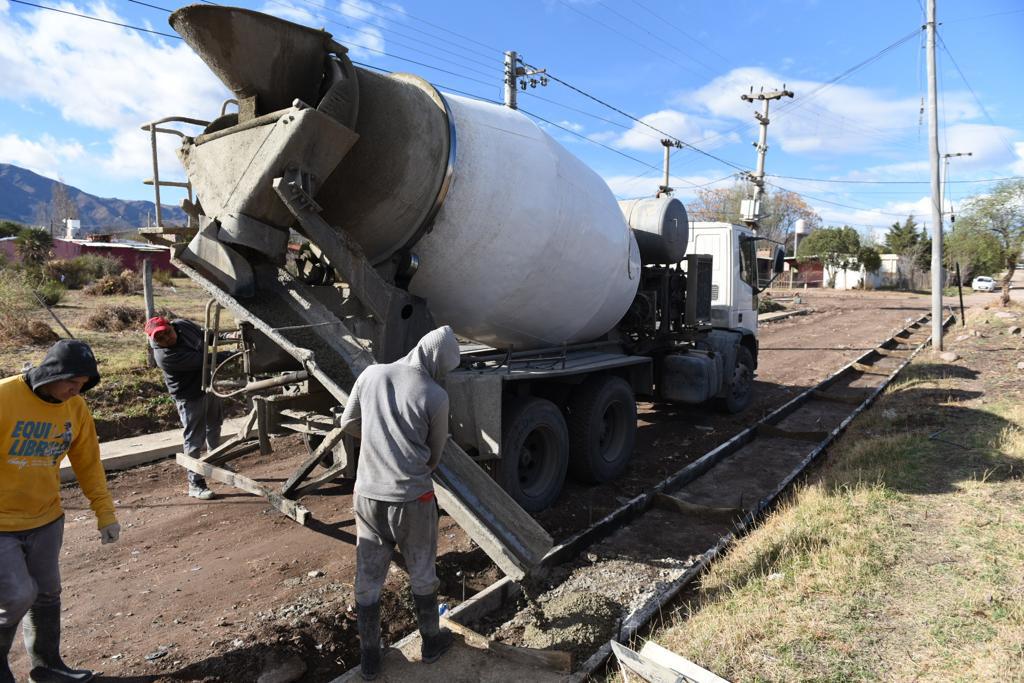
x: 35, y: 435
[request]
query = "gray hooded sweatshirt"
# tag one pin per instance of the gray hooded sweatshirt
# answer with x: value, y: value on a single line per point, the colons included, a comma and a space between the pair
x: 400, y: 413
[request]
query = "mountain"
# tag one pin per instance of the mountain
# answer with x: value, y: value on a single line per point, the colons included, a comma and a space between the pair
x: 26, y: 197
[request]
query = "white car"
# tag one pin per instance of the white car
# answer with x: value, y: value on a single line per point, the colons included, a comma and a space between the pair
x: 983, y: 283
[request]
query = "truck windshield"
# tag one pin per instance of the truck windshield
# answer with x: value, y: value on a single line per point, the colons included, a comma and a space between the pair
x: 748, y: 260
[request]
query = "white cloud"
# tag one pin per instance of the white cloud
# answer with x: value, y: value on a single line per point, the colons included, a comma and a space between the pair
x: 677, y: 124
x: 98, y: 75
x: 1018, y: 166
x: 45, y: 156
x: 294, y: 13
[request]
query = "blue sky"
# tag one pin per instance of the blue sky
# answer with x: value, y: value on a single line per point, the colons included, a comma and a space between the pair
x: 75, y: 91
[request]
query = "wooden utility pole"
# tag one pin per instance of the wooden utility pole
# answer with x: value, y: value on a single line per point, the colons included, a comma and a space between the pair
x: 933, y: 157
x: 752, y: 213
x: 147, y: 293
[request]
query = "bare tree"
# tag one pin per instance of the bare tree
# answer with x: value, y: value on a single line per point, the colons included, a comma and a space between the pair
x: 62, y: 207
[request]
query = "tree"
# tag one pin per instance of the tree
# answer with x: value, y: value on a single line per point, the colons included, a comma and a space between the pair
x: 780, y: 210
x: 62, y: 207
x: 836, y: 248
x: 913, y: 246
x: 33, y: 246
x: 1001, y: 214
x: 10, y: 228
x: 976, y: 250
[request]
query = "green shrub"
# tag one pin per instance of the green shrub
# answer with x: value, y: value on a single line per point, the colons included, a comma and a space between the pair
x: 80, y: 271
x: 163, y: 277
x: 96, y: 266
x: 50, y: 291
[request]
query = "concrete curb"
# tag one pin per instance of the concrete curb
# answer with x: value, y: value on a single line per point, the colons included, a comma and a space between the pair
x: 782, y: 315
x: 133, y: 451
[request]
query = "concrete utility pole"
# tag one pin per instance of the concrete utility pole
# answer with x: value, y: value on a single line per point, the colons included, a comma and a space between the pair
x: 752, y: 212
x: 665, y: 189
x: 933, y: 135
x: 516, y: 71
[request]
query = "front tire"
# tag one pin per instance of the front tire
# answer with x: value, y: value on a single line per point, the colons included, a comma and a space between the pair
x: 740, y: 392
x: 534, y: 453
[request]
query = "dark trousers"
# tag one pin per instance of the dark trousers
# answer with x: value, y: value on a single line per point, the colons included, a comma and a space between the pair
x: 29, y: 570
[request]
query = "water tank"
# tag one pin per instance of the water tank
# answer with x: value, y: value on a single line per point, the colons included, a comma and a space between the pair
x: 800, y: 227
x: 660, y: 226
x: 528, y: 247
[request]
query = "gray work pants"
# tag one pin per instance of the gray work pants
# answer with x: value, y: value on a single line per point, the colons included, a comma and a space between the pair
x: 29, y: 570
x: 381, y: 525
x: 201, y: 419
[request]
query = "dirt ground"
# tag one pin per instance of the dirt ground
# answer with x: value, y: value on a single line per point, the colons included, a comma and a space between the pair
x: 227, y: 589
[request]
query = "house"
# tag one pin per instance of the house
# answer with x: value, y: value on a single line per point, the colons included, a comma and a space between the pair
x: 128, y: 252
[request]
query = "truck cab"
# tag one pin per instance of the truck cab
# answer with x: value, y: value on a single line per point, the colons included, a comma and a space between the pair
x: 734, y: 273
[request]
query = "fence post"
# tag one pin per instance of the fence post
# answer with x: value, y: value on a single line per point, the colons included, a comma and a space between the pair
x: 147, y: 293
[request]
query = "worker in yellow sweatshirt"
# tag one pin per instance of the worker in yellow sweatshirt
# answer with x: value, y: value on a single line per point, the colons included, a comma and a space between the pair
x: 43, y: 419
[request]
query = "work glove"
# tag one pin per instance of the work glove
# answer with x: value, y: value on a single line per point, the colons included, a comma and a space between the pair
x: 110, y: 533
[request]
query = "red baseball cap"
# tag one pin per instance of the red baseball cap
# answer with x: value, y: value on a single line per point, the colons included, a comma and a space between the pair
x: 157, y: 324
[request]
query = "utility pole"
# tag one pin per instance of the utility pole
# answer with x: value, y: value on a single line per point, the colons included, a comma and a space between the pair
x: 665, y: 189
x: 752, y: 211
x: 518, y: 73
x: 933, y: 135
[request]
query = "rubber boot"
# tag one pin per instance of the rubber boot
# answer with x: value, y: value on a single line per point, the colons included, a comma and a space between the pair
x: 369, y: 640
x: 435, y: 640
x: 6, y: 639
x: 42, y: 640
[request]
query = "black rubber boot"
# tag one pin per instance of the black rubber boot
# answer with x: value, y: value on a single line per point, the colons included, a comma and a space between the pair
x: 6, y: 639
x: 369, y: 640
x: 435, y: 640
x: 42, y: 640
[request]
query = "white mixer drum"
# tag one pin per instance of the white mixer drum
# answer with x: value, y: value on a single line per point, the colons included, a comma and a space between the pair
x: 530, y: 248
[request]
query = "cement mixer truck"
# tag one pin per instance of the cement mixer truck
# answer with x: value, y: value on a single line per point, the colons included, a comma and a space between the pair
x: 420, y: 208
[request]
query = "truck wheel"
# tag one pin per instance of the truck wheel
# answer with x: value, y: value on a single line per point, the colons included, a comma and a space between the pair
x: 312, y: 442
x: 534, y: 453
x: 741, y: 389
x: 602, y: 429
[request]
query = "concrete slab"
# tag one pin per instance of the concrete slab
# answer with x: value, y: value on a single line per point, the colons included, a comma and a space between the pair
x: 133, y: 451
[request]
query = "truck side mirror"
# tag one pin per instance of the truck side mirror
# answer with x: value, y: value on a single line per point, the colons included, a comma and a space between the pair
x: 779, y: 262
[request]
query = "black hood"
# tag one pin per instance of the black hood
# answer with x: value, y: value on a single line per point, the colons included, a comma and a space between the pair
x: 66, y: 359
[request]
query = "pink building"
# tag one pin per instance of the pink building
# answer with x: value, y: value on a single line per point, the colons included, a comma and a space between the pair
x: 130, y: 254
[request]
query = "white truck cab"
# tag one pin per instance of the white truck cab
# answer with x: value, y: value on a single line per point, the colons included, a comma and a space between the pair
x: 734, y: 273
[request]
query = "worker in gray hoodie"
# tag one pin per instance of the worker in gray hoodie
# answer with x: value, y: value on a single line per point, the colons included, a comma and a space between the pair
x: 399, y: 411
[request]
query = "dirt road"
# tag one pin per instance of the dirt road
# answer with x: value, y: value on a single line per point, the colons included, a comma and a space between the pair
x: 222, y: 590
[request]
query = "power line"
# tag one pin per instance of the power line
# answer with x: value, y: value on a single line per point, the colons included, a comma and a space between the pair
x: 890, y: 182
x: 624, y: 36
x: 492, y: 60
x: 682, y: 32
x: 92, y: 18
x: 827, y: 201
x: 644, y: 123
x: 655, y: 36
x: 146, y: 4
x: 975, y: 95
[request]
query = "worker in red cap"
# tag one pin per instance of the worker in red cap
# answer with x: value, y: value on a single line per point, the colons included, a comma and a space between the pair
x: 178, y: 347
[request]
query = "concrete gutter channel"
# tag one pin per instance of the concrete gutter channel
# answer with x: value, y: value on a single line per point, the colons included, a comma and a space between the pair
x: 500, y: 593
x: 123, y: 454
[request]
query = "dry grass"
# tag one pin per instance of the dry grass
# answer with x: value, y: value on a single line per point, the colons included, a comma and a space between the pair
x: 128, y: 282
x: 904, y: 558
x: 117, y: 318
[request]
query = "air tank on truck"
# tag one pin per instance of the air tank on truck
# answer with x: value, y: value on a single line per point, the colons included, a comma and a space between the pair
x: 417, y: 207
